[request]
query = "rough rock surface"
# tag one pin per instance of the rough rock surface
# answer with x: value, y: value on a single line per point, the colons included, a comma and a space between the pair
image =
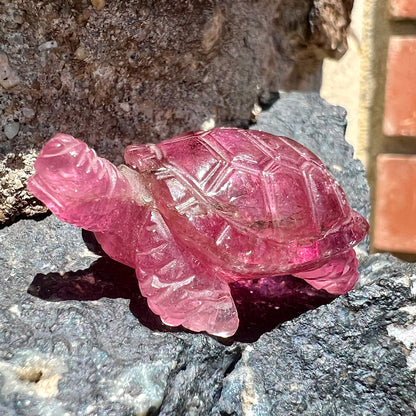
x: 118, y: 72
x: 85, y: 343
x: 340, y: 359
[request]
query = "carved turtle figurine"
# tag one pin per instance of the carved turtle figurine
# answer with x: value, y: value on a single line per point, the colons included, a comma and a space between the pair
x: 196, y: 212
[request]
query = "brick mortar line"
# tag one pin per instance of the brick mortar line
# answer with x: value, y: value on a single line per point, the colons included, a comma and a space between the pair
x: 402, y: 27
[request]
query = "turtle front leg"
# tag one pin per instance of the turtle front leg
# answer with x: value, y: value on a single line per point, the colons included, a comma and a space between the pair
x: 337, y: 276
x: 179, y: 287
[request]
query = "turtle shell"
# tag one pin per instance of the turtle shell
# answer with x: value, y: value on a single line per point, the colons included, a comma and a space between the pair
x: 249, y: 202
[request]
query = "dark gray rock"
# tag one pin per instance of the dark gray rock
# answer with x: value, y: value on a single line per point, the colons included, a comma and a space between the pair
x: 104, y: 360
x: 354, y: 356
x: 85, y: 343
x: 340, y: 359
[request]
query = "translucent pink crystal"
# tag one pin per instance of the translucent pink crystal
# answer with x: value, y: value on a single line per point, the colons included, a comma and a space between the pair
x: 199, y: 211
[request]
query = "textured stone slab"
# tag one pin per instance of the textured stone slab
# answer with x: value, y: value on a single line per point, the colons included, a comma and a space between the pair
x: 85, y: 343
x: 118, y: 72
x: 350, y: 358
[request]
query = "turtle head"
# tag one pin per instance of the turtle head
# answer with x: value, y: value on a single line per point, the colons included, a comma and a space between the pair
x: 74, y: 183
x: 62, y: 177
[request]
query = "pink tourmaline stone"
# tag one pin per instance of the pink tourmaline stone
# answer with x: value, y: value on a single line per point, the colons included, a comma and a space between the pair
x: 204, y: 209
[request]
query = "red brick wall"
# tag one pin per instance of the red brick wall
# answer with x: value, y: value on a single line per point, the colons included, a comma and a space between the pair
x: 395, y: 210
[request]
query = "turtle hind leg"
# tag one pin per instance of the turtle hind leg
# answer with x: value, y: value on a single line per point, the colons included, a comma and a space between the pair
x: 178, y: 288
x: 337, y: 276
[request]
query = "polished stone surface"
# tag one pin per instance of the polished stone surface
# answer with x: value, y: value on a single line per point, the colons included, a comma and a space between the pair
x: 205, y: 209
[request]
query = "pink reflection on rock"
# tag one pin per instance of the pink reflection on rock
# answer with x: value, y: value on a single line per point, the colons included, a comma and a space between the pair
x: 205, y: 209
